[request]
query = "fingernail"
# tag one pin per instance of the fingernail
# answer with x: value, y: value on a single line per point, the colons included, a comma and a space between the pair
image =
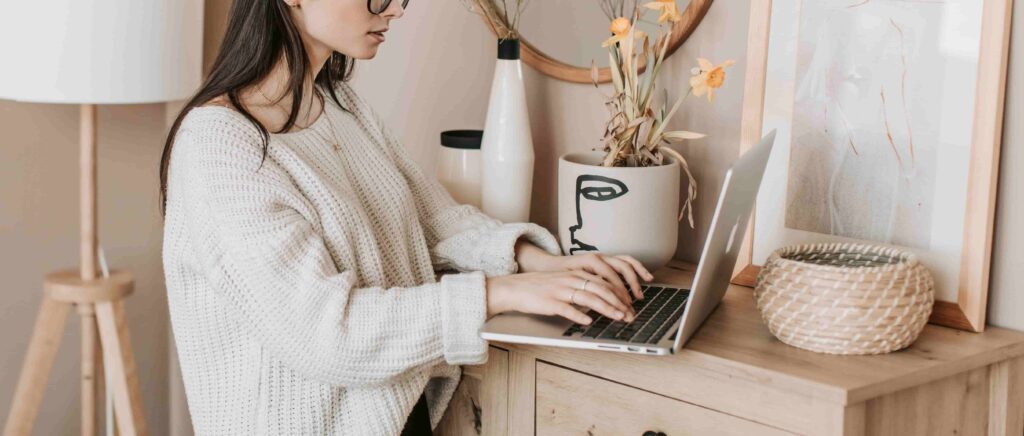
x: 619, y: 314
x: 588, y: 320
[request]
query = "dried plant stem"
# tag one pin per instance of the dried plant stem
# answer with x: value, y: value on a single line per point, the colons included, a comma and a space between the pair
x: 616, y: 8
x: 504, y: 14
x: 691, y: 185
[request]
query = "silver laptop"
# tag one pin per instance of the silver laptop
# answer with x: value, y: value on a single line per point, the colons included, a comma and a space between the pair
x: 667, y: 316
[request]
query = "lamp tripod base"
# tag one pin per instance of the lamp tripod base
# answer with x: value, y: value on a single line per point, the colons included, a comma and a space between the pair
x: 100, y: 304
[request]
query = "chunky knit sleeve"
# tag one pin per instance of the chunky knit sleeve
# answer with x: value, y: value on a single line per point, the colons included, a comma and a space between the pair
x: 460, y: 235
x: 262, y: 248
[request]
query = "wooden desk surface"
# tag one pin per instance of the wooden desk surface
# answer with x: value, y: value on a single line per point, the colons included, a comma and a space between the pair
x: 734, y: 343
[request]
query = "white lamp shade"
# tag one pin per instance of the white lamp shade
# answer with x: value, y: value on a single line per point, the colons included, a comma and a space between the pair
x: 100, y: 51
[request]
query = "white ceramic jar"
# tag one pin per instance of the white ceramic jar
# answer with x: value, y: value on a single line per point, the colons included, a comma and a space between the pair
x: 458, y: 165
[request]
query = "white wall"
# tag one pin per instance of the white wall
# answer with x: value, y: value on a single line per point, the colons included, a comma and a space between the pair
x: 1006, y: 296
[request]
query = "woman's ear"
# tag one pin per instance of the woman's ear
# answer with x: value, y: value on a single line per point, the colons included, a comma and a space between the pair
x: 292, y: 3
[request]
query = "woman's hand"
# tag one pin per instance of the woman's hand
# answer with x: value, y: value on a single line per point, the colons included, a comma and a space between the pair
x: 610, y: 268
x: 533, y: 259
x: 553, y: 293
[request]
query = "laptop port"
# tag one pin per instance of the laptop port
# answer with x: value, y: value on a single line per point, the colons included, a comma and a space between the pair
x: 652, y: 351
x: 633, y: 348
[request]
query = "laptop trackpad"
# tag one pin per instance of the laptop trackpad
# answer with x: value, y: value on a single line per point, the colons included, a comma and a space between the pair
x: 527, y: 324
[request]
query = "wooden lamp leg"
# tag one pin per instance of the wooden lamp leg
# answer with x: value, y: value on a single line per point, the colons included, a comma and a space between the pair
x: 87, y: 315
x: 88, y: 241
x: 120, y: 364
x: 35, y: 371
x: 101, y: 387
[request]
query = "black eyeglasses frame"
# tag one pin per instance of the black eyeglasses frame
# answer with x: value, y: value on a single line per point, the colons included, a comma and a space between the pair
x: 384, y: 6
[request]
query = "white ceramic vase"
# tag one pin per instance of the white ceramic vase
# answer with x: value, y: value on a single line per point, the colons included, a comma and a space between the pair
x: 506, y: 150
x: 618, y: 210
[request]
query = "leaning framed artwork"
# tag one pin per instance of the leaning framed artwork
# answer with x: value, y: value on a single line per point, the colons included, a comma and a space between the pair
x: 889, y: 116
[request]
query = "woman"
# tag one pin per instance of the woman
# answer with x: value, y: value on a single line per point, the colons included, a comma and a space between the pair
x: 300, y: 243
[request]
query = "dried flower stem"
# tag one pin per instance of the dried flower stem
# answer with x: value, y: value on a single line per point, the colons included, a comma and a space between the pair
x: 636, y: 133
x: 505, y: 14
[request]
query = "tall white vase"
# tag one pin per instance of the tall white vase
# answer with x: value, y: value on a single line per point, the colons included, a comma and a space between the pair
x: 507, y: 146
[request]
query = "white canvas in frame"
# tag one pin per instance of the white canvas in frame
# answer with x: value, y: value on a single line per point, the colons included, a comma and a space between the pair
x: 888, y: 115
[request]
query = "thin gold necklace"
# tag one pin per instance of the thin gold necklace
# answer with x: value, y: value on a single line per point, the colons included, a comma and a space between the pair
x: 286, y: 113
x: 333, y: 140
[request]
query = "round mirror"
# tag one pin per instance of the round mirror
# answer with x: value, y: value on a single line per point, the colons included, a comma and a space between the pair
x: 560, y: 38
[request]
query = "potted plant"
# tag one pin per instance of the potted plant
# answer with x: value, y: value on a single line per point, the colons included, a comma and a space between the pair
x: 623, y: 199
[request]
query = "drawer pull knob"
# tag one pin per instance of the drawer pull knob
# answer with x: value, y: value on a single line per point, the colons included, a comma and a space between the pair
x: 654, y: 433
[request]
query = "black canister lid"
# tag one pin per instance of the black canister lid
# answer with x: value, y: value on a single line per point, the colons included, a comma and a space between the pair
x: 464, y: 139
x: 508, y: 49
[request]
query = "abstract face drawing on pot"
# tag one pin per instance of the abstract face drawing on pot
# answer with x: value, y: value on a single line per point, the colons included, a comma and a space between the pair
x: 595, y: 188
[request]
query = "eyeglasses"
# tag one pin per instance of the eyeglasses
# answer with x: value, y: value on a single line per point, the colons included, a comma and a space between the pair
x: 377, y: 7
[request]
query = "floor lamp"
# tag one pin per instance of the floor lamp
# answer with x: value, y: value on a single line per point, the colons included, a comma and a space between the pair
x: 91, y: 52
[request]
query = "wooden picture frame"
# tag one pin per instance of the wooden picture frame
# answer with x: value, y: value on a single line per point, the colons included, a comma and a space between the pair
x: 968, y: 311
x: 548, y: 65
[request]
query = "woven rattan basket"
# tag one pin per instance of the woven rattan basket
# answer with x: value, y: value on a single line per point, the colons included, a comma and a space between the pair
x: 845, y: 298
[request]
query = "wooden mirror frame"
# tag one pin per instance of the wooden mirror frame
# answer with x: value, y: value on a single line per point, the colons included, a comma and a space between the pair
x: 544, y: 63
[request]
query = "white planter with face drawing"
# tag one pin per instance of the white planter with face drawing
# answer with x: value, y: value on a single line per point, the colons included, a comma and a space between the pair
x: 618, y: 210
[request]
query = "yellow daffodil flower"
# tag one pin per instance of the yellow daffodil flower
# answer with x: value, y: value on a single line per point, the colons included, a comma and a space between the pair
x: 669, y: 11
x: 620, y: 31
x: 708, y: 77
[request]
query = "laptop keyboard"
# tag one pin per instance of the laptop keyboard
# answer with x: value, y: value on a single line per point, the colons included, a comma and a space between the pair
x: 656, y: 313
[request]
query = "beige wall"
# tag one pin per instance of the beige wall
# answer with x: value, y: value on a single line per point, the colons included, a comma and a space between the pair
x: 434, y: 73
x: 443, y: 51
x: 39, y: 233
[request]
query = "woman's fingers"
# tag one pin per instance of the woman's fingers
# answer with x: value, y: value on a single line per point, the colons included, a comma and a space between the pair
x: 639, y: 267
x: 596, y: 265
x: 626, y: 270
x: 594, y: 301
x: 554, y: 300
x: 620, y: 294
x: 599, y: 286
x: 565, y: 310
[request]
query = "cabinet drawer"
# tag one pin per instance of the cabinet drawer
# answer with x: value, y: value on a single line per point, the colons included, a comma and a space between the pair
x: 571, y: 403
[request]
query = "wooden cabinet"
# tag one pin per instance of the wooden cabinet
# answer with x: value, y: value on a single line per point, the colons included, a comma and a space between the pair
x: 570, y: 402
x: 735, y: 378
x: 482, y: 392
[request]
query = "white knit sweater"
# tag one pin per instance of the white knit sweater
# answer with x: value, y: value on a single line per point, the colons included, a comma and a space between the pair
x: 303, y: 293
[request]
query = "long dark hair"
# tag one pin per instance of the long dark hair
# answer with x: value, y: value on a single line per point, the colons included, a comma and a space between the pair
x: 258, y: 32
